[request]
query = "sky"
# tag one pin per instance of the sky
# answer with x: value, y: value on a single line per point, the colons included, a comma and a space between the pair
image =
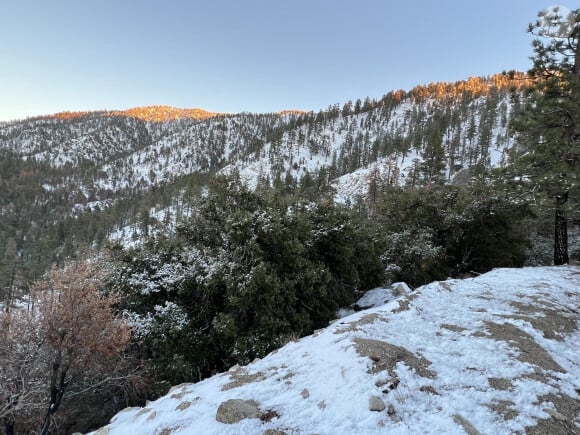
x: 247, y: 55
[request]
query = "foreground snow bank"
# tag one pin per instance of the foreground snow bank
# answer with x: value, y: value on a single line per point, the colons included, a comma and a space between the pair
x: 494, y: 354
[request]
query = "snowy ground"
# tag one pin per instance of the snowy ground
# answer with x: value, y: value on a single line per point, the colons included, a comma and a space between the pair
x: 495, y: 354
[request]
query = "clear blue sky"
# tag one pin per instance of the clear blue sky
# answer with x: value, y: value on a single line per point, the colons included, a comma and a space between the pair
x: 254, y: 55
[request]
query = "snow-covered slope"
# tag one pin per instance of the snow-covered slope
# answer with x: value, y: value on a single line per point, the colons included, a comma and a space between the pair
x: 390, y: 142
x: 111, y: 154
x: 495, y: 354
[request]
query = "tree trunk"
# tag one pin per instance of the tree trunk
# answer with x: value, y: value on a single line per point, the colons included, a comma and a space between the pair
x: 9, y: 426
x: 57, y: 389
x: 560, y: 232
x: 576, y: 35
x: 46, y: 423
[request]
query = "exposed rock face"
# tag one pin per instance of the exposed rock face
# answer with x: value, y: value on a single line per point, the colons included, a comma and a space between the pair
x: 234, y: 410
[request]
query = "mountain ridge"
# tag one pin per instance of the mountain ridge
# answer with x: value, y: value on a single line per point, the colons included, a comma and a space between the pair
x: 150, y: 113
x: 63, y: 170
x: 477, y: 85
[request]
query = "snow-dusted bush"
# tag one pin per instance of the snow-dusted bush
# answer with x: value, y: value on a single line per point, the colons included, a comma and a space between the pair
x: 412, y: 256
x: 434, y: 233
x: 245, y: 272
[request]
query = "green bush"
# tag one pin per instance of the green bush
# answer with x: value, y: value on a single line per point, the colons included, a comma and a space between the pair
x: 246, y: 272
x: 435, y: 233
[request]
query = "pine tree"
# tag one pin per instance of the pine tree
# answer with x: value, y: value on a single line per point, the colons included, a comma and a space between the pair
x: 549, y: 129
x: 433, y: 165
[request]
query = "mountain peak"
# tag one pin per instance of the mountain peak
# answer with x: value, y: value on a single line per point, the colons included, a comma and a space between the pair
x: 291, y: 112
x: 165, y: 113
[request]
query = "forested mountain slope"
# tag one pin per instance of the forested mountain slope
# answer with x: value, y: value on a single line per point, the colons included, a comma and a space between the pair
x: 70, y: 180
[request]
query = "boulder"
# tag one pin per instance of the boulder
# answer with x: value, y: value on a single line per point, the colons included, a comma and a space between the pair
x: 400, y: 289
x: 376, y: 404
x: 233, y: 410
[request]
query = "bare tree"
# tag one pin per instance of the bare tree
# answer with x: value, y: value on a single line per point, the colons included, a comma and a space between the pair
x: 69, y: 341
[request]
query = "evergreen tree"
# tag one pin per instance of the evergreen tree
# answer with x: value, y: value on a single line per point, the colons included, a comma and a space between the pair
x: 548, y: 130
x: 433, y: 165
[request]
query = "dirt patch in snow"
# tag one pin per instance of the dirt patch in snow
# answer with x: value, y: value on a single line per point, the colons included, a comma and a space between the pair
x: 143, y: 412
x: 505, y: 409
x: 182, y: 387
x: 385, y: 356
x: 355, y: 325
x: 453, y: 328
x: 240, y: 376
x: 429, y: 389
x: 529, y: 351
x: 562, y: 416
x: 183, y: 406
x: 445, y: 286
x: 405, y: 302
x: 179, y: 396
x: 554, y: 322
x: 502, y: 384
x: 185, y: 388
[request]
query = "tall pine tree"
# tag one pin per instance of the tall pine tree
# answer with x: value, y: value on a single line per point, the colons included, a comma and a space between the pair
x: 548, y: 130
